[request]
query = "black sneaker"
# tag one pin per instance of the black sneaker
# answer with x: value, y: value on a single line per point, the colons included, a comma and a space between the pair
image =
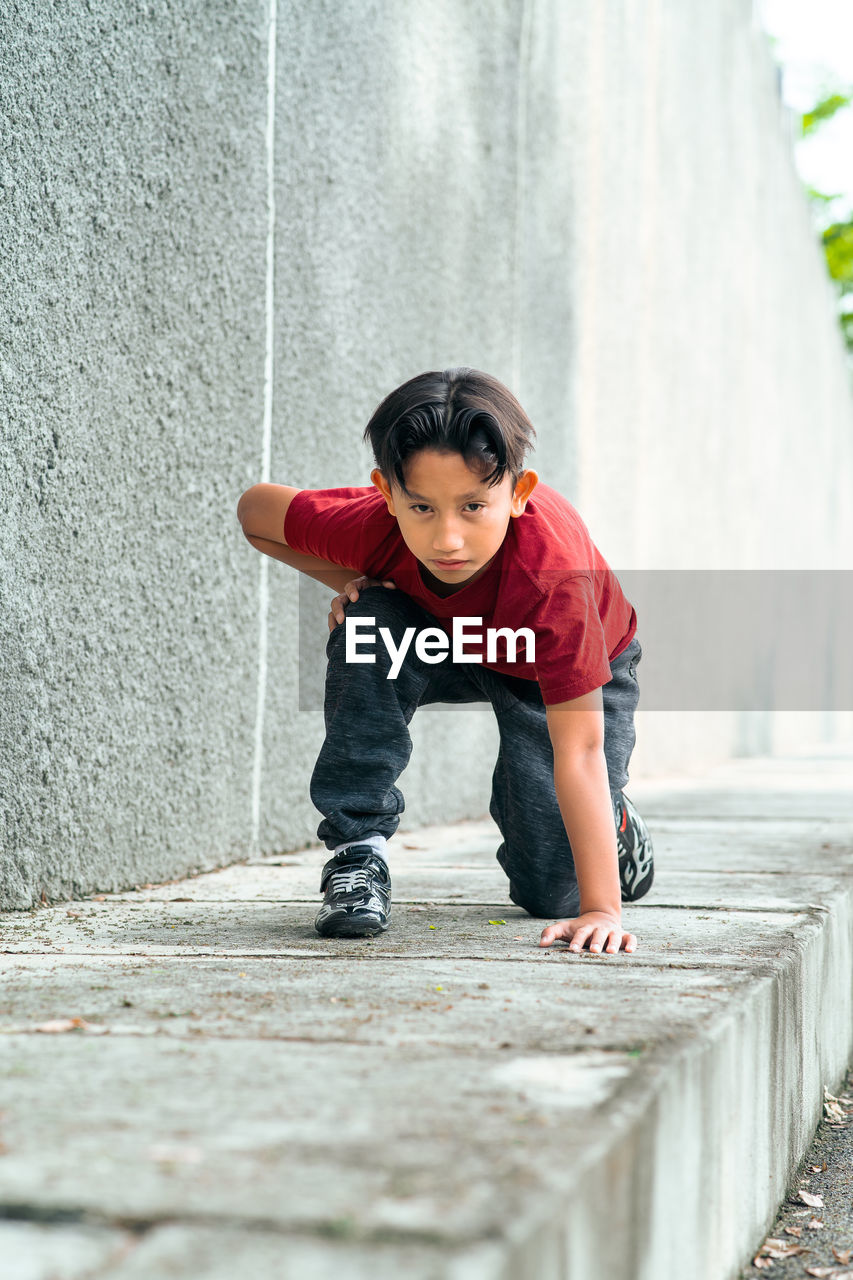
x: 357, y: 885
x: 636, y: 854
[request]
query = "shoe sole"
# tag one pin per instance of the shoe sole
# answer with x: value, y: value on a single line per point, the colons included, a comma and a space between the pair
x: 639, y: 888
x: 351, y: 928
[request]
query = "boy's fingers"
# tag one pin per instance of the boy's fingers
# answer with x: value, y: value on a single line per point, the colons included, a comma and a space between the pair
x: 614, y: 939
x: 551, y: 933
x: 336, y: 614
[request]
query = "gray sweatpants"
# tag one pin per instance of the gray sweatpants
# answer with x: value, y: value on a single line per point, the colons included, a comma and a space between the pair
x: 368, y: 745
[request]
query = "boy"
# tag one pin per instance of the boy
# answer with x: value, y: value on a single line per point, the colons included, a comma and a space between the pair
x: 454, y: 527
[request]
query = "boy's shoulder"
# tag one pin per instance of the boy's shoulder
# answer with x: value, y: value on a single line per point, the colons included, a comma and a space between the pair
x: 340, y: 524
x: 550, y: 541
x: 343, y: 504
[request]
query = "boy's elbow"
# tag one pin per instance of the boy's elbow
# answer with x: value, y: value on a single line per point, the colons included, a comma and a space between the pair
x: 262, y: 510
x: 250, y: 512
x: 244, y: 506
x: 576, y: 728
x: 580, y: 754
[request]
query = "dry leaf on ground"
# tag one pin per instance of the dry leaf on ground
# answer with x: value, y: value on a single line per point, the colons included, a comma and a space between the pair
x: 841, y: 1255
x: 58, y: 1025
x: 832, y: 1108
x: 814, y: 1202
x: 775, y: 1248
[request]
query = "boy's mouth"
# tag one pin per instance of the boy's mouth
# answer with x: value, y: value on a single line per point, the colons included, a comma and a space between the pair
x: 450, y: 564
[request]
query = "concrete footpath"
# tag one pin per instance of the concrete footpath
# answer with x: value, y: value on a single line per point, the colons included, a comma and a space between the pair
x: 194, y: 1085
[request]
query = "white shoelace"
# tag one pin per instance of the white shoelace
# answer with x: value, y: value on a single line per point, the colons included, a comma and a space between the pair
x: 345, y: 881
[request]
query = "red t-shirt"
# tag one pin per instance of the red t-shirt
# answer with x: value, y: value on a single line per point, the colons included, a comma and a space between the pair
x: 547, y: 575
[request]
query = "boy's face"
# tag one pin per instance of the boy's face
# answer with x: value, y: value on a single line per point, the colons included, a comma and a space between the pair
x: 450, y: 520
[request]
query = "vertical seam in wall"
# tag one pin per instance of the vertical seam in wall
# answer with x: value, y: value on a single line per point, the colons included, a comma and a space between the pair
x: 524, y: 41
x: 588, y: 268
x: 648, y: 227
x: 266, y: 446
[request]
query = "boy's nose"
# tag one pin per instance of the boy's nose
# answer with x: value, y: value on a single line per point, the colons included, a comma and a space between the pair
x: 448, y: 543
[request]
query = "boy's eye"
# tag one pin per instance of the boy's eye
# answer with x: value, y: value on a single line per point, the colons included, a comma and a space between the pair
x: 421, y: 506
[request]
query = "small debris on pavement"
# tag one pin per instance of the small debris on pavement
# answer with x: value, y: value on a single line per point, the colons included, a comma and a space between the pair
x: 58, y: 1025
x: 773, y: 1248
x: 832, y: 1108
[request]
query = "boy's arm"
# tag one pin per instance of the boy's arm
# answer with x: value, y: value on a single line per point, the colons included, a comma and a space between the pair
x: 583, y: 793
x: 261, y: 512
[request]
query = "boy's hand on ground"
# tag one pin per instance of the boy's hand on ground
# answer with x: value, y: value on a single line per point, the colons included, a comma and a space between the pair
x: 350, y: 592
x: 594, y: 929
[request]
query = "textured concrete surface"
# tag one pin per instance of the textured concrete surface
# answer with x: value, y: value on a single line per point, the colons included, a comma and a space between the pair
x: 449, y: 186
x: 819, y: 1235
x: 194, y: 1084
x: 132, y: 240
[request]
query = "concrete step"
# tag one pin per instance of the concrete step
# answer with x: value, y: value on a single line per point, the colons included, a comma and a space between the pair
x: 448, y: 1099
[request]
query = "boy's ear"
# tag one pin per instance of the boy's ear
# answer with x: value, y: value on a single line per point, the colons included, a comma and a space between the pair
x: 382, y: 485
x: 525, y: 485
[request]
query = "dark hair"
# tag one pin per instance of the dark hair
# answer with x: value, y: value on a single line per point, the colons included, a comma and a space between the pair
x: 455, y: 411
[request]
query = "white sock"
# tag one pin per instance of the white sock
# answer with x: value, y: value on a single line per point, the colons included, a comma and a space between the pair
x: 375, y: 840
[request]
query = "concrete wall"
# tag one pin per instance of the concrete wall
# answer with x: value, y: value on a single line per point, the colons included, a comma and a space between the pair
x: 596, y: 204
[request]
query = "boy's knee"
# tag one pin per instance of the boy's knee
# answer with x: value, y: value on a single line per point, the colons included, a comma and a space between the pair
x: 381, y: 603
x: 545, y: 902
x: 546, y: 897
x: 374, y: 602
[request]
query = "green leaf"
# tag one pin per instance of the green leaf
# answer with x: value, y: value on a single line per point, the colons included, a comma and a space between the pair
x: 824, y: 110
x: 821, y: 197
x: 838, y: 246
